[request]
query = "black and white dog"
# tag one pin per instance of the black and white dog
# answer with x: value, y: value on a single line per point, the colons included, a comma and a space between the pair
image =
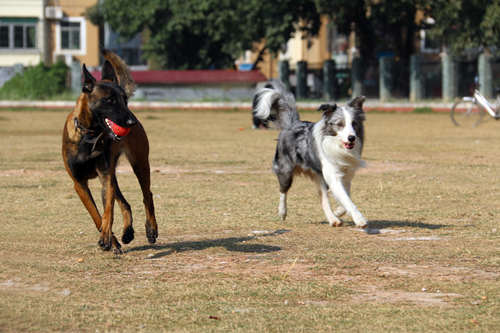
x: 328, y: 151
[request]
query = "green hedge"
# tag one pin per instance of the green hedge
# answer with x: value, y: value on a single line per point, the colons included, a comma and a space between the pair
x: 37, y: 82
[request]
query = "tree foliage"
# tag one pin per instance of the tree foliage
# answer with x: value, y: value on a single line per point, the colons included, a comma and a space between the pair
x: 213, y: 33
x: 465, y: 24
x: 380, y: 26
x: 207, y: 33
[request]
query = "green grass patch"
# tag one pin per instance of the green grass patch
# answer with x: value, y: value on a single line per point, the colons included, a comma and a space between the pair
x: 424, y: 109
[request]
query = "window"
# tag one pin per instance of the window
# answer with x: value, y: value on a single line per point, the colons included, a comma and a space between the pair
x: 428, y: 45
x: 18, y: 33
x: 70, y: 36
x: 4, y: 36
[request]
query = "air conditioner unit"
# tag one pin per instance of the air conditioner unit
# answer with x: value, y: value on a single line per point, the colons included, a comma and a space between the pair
x: 53, y: 12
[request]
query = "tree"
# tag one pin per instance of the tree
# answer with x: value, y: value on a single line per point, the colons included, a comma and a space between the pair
x: 380, y: 26
x: 207, y: 33
x: 463, y: 25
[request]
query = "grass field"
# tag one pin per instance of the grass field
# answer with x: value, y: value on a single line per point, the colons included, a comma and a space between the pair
x: 225, y: 262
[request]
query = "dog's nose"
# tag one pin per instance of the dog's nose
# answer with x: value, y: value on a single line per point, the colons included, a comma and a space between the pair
x: 351, y: 138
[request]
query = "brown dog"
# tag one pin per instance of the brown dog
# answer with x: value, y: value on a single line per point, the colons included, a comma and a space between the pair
x: 99, y: 129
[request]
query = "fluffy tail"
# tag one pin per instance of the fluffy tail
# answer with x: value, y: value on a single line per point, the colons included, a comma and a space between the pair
x: 122, y: 72
x: 275, y: 103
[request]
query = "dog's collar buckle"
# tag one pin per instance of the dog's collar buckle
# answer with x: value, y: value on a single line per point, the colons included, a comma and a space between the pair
x: 80, y: 127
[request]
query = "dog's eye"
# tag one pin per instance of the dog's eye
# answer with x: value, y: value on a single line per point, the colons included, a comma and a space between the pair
x: 110, y: 100
x: 339, y: 123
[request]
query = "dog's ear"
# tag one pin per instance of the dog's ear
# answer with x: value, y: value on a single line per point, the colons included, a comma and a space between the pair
x: 357, y: 102
x: 327, y: 109
x: 108, y: 72
x: 123, y: 75
x: 88, y: 80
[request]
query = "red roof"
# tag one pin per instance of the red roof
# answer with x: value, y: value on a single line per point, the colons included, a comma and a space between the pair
x: 194, y: 76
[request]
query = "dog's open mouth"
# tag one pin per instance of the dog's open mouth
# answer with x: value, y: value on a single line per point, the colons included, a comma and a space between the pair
x: 116, y: 129
x: 348, y: 145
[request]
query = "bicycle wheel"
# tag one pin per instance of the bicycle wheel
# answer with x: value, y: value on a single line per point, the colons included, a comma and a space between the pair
x: 466, y: 113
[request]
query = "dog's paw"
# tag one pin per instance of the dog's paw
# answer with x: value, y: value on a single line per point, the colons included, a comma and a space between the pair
x: 117, y: 251
x: 339, y: 211
x: 282, y: 216
x: 336, y: 224
x: 105, y: 245
x: 128, y: 235
x: 151, y: 234
x: 360, y: 221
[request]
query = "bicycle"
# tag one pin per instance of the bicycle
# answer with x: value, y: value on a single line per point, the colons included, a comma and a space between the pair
x: 470, y: 111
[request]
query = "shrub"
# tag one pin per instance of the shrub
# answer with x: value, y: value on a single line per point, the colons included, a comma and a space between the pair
x: 37, y: 82
x: 423, y: 109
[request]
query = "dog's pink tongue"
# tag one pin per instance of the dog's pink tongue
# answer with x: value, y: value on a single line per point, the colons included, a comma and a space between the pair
x: 117, y: 129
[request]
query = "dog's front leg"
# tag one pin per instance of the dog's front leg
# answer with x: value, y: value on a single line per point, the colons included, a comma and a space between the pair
x: 340, y: 193
x: 83, y: 191
x: 333, y: 220
x: 108, y: 240
x: 340, y: 210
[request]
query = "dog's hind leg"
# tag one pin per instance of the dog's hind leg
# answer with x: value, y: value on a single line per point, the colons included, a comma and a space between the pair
x: 333, y: 220
x: 285, y: 180
x: 137, y: 152
x: 142, y: 172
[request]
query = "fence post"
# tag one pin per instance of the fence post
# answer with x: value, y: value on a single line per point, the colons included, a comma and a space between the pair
x: 76, y: 77
x: 485, y: 75
x: 450, y: 79
x: 356, y: 77
x: 284, y: 73
x: 416, y: 78
x: 386, y: 65
x: 329, y: 80
x: 301, y: 89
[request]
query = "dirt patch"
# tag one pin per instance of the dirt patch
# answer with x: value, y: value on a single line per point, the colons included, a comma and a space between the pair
x: 29, y: 173
x: 172, y: 170
x: 375, y: 295
x: 443, y: 273
x: 372, y: 167
x: 17, y: 285
x: 385, y: 167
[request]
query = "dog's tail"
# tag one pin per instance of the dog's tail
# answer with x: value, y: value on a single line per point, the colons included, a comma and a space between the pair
x: 275, y: 103
x: 122, y: 72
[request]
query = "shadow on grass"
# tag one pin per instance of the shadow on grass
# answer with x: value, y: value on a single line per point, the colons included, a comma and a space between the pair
x: 230, y: 244
x: 411, y: 224
x: 374, y: 227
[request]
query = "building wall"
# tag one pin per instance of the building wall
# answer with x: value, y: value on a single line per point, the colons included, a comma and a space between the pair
x: 24, y: 9
x: 76, y: 9
x: 313, y: 50
x: 178, y: 93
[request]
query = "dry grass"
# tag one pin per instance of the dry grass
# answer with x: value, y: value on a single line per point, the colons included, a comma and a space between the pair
x: 225, y: 262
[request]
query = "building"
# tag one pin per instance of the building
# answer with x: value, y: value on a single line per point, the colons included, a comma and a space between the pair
x: 70, y: 34
x: 23, y: 32
x: 34, y: 31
